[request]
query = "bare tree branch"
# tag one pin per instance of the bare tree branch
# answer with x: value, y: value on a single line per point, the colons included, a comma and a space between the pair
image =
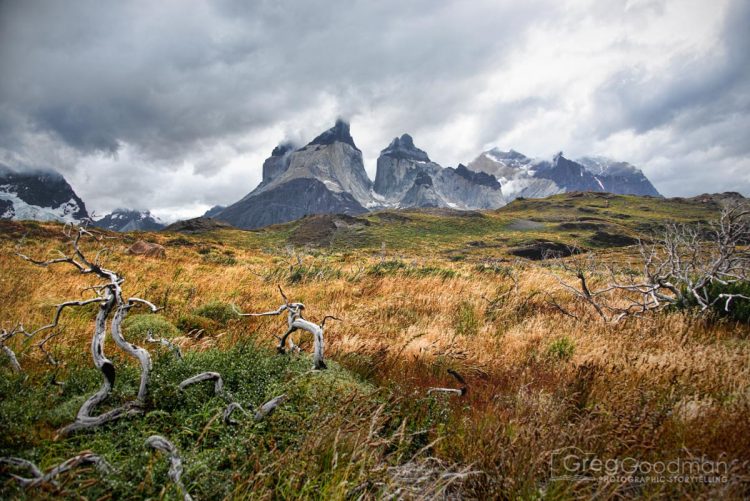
x: 457, y: 391
x: 175, y: 462
x: 164, y: 342
x: 205, y: 376
x: 38, y: 478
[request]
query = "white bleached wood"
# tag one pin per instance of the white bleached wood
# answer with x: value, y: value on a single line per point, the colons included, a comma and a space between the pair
x: 205, y: 376
x: 39, y: 478
x: 175, y: 462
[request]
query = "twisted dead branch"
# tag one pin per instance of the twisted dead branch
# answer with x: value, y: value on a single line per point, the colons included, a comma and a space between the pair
x: 269, y: 407
x: 295, y: 321
x: 264, y: 411
x: 456, y: 391
x: 110, y: 299
x: 38, y: 478
x: 5, y: 336
x: 164, y: 342
x: 175, y: 462
x: 230, y: 409
x: 683, y: 265
x: 206, y: 376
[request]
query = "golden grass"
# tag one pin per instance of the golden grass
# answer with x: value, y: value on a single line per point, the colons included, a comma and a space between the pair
x: 664, y: 386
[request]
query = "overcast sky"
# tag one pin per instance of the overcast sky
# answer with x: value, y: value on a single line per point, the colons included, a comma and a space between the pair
x: 174, y: 105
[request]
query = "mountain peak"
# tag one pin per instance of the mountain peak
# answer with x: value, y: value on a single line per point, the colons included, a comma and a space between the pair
x: 403, y: 148
x: 338, y: 133
x: 129, y: 220
x: 40, y: 194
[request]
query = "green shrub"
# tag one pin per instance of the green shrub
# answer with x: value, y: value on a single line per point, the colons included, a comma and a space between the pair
x: 431, y: 271
x: 465, y: 320
x: 218, y: 311
x: 561, y: 348
x: 220, y: 259
x: 384, y: 268
x: 304, y: 273
x: 739, y: 309
x: 137, y: 326
x: 187, y: 323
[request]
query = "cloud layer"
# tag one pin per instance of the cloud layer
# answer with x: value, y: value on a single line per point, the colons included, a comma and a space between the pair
x: 173, y: 107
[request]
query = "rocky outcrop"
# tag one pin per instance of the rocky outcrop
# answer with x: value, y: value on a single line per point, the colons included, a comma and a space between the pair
x: 567, y: 174
x: 325, y: 176
x: 129, y: 220
x: 406, y: 177
x: 277, y: 163
x: 42, y: 195
x: 214, y: 210
x: 289, y: 201
x: 148, y: 249
x: 197, y: 225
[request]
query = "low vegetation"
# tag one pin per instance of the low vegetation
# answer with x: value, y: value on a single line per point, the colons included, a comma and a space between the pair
x: 543, y: 372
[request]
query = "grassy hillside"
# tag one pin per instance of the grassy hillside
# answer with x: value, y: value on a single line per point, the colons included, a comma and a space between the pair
x: 418, y: 293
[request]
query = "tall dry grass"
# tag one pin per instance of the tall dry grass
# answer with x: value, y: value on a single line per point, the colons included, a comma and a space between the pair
x: 673, y: 385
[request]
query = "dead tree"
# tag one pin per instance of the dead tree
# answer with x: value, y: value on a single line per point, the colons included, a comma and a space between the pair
x: 456, y: 391
x: 175, y: 462
x: 265, y: 410
x: 109, y: 297
x: 164, y: 342
x: 5, y: 336
x: 38, y: 478
x: 295, y: 322
x: 683, y: 265
x: 206, y: 376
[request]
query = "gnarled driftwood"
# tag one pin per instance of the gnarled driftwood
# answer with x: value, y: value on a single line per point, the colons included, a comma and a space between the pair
x: 175, y: 462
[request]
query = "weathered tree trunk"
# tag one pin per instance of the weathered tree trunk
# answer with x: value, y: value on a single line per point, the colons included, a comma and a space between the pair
x: 134, y: 351
x: 84, y: 419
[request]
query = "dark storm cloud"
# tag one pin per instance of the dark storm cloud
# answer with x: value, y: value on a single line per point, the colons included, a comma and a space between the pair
x: 710, y: 86
x: 174, y: 105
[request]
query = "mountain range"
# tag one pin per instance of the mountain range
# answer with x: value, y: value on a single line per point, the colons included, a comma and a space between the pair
x: 327, y: 175
x: 130, y: 220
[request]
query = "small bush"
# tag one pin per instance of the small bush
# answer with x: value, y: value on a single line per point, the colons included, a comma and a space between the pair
x: 217, y: 311
x: 739, y: 309
x: 465, y: 320
x: 432, y: 271
x: 220, y: 259
x: 137, y: 326
x: 304, y: 273
x: 561, y: 349
x: 384, y: 268
x: 187, y: 323
x: 179, y: 242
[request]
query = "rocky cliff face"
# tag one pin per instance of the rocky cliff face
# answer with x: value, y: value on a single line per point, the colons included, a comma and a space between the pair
x: 567, y: 174
x: 406, y: 177
x: 129, y: 220
x: 325, y: 176
x: 42, y: 195
x: 277, y: 163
